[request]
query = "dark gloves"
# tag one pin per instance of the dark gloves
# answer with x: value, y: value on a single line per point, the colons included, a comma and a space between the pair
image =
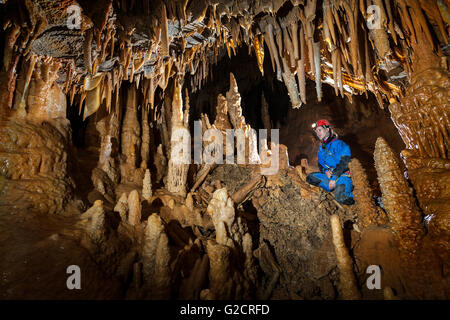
x: 342, y: 166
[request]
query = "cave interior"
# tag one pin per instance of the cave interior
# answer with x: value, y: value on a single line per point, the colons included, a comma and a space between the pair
x: 94, y: 96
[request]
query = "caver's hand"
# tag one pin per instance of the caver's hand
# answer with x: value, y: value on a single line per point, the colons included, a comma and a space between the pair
x: 332, y: 184
x: 329, y: 174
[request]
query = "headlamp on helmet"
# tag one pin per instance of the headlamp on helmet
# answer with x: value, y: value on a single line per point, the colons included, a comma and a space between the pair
x: 321, y: 123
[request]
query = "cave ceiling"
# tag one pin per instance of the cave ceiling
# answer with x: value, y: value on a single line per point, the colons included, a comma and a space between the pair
x: 336, y: 42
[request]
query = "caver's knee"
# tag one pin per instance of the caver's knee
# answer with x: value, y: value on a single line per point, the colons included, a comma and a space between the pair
x: 341, y: 197
x: 312, y: 179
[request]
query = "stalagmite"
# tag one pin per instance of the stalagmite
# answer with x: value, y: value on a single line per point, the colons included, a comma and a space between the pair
x: 234, y: 104
x: 95, y: 219
x: 178, y: 166
x: 145, y: 139
x: 265, y: 113
x: 398, y: 200
x: 155, y: 259
x: 147, y: 186
x: 130, y: 139
x: 122, y: 207
x: 367, y: 211
x: 134, y: 208
x: 221, y: 284
x: 160, y: 163
x: 221, y: 210
x: 348, y: 288
x: 250, y: 267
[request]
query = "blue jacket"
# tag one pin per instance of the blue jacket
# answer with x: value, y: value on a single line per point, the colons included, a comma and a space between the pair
x: 335, y: 156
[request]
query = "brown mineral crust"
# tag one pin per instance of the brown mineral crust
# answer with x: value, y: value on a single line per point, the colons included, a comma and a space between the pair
x: 34, y: 169
x: 404, y: 215
x: 422, y: 116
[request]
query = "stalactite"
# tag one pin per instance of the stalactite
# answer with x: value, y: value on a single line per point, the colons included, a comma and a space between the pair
x: 258, y: 44
x: 391, y: 22
x: 291, y: 85
x: 273, y: 49
x: 87, y: 50
x: 31, y: 64
x: 420, y: 23
x: 288, y: 46
x: 379, y: 35
x: 93, y: 101
x: 406, y: 19
x: 164, y: 31
x: 301, y: 67
x: 10, y: 41
x: 294, y: 32
x: 348, y: 288
x: 352, y: 16
x: 335, y: 58
x: 317, y: 72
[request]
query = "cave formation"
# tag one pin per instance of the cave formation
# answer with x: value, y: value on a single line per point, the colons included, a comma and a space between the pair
x: 93, y: 93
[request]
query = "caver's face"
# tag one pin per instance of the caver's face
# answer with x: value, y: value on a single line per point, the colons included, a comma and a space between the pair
x: 321, y: 132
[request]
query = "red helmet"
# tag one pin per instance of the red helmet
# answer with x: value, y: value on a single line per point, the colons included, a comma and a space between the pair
x: 320, y: 123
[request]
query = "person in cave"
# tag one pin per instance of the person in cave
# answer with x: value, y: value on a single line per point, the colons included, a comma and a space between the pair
x: 333, y: 158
